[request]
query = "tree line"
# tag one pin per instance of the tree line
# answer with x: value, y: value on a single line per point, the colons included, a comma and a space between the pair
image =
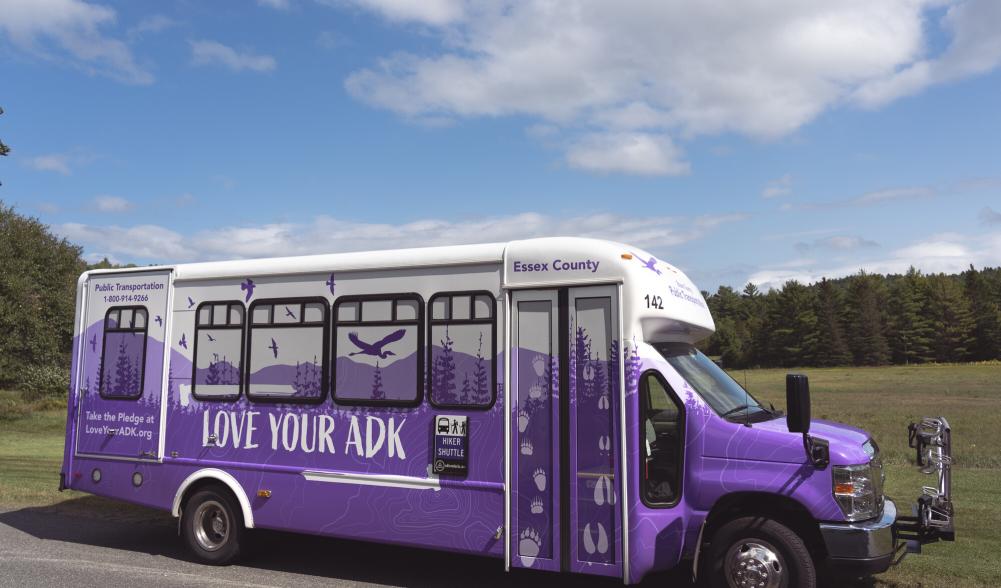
x: 864, y: 319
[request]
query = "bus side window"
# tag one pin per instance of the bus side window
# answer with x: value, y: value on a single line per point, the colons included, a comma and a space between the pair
x: 379, y: 350
x: 218, y: 361
x: 286, y: 350
x: 123, y: 353
x: 461, y: 356
x: 662, y: 443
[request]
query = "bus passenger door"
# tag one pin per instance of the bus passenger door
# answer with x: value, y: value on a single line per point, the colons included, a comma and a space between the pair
x: 565, y: 511
x: 120, y: 382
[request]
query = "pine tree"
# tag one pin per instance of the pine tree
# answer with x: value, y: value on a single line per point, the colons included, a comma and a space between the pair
x: 866, y: 334
x: 951, y: 319
x: 985, y: 305
x: 832, y: 348
x: 910, y: 330
x: 466, y: 393
x: 213, y: 376
x: 793, y: 325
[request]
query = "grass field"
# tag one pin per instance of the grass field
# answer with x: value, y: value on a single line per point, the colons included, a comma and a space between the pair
x: 880, y: 400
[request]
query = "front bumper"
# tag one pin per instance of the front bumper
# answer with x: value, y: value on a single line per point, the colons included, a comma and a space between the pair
x: 862, y: 548
x: 871, y: 547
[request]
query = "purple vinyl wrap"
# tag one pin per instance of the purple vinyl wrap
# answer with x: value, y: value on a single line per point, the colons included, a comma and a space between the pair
x: 276, y: 447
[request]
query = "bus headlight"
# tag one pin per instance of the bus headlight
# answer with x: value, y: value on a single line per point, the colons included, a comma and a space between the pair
x: 855, y: 490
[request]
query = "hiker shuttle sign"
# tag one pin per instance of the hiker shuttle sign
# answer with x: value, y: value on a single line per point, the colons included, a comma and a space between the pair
x: 451, y: 445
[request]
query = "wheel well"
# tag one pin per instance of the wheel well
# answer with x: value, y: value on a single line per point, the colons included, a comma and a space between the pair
x: 779, y: 508
x: 219, y: 481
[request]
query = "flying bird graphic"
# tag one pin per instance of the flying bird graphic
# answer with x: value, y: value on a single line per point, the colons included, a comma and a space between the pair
x: 331, y: 284
x: 273, y: 347
x: 375, y: 349
x: 649, y: 264
x: 93, y: 344
x: 211, y: 338
x: 248, y: 286
x: 190, y: 302
x: 289, y: 313
x: 183, y: 342
x: 159, y: 320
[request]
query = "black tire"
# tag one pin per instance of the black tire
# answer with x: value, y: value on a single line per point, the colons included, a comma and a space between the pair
x: 766, y: 547
x: 212, y: 526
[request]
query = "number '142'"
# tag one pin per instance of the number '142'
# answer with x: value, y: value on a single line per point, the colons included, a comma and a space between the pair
x: 654, y: 301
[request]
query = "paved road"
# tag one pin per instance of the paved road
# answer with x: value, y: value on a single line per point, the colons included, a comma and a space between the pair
x: 82, y: 542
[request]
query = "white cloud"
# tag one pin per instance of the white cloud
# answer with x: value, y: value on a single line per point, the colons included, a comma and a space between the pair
x: 153, y: 24
x: 947, y: 253
x: 54, y: 162
x: 112, y: 204
x: 325, y: 234
x: 433, y: 12
x: 215, y: 53
x: 633, y: 153
x: 838, y: 243
x: 276, y: 4
x: 71, y: 31
x: 674, y: 67
x: 975, y: 48
x: 778, y: 187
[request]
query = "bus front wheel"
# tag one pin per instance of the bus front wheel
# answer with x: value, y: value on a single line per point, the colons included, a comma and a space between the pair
x: 761, y: 552
x: 212, y: 526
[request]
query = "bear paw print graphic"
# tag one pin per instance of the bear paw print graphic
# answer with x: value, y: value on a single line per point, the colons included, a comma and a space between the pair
x: 522, y: 421
x: 527, y: 448
x: 529, y: 544
x: 537, y: 505
x: 540, y: 479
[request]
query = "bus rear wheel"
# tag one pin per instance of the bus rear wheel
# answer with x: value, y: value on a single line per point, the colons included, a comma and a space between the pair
x: 212, y: 526
x: 759, y: 552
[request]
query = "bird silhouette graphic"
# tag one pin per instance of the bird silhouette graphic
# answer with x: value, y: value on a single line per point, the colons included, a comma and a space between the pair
x: 375, y: 349
x: 248, y: 287
x: 183, y: 342
x: 190, y: 302
x: 331, y: 283
x: 211, y: 338
x: 649, y: 264
x: 290, y: 314
x: 93, y: 344
x: 273, y: 347
x: 158, y: 320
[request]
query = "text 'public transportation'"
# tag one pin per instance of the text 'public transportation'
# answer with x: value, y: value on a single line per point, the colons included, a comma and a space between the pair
x: 538, y: 401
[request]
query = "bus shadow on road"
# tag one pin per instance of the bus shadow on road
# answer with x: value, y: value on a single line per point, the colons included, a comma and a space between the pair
x: 98, y: 522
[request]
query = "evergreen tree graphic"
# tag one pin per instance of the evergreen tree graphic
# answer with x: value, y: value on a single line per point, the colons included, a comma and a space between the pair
x: 377, y: 392
x: 123, y: 371
x: 444, y: 373
x: 466, y: 389
x: 480, y: 377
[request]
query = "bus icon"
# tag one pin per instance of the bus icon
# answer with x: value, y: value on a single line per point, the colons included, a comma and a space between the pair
x: 443, y: 424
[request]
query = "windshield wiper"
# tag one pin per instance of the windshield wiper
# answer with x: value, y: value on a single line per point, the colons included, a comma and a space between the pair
x: 737, y: 409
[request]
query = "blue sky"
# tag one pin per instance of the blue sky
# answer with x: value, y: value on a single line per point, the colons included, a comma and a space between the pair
x: 784, y: 140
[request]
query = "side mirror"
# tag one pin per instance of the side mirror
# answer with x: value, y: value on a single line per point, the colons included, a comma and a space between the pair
x: 798, y: 403
x: 798, y: 421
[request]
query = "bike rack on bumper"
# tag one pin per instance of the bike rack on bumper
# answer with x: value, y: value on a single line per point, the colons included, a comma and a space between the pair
x: 932, y: 516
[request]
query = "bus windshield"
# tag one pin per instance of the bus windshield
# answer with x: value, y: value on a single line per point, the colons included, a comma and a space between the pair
x: 716, y: 387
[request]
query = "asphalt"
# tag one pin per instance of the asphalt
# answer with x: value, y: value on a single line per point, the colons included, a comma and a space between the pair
x: 87, y: 542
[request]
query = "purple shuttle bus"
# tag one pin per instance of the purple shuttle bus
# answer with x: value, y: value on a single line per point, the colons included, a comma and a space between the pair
x: 539, y: 401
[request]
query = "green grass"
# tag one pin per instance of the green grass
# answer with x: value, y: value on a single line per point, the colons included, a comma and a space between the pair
x: 881, y: 400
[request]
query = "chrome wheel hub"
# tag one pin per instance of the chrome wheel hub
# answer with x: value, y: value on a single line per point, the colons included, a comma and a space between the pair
x: 211, y: 525
x: 754, y: 564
